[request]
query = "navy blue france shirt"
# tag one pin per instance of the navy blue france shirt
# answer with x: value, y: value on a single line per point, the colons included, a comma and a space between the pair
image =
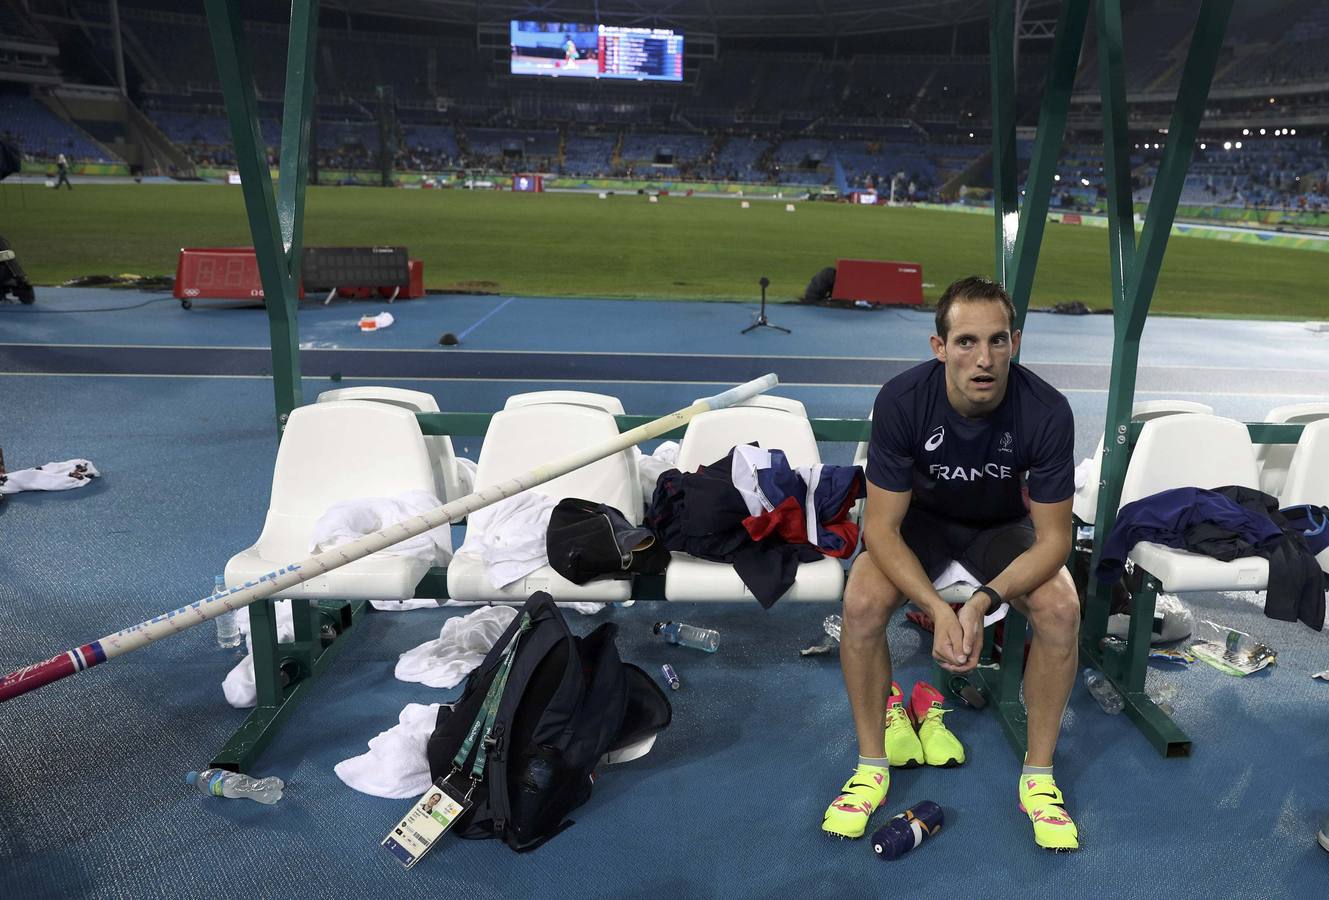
x: 972, y: 470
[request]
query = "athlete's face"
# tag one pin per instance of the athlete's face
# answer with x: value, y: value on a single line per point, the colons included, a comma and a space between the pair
x: 977, y: 353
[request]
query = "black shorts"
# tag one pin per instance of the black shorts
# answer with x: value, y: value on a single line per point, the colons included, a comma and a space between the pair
x: 985, y: 550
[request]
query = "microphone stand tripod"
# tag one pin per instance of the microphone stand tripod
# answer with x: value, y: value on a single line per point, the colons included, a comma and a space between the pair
x: 761, y: 321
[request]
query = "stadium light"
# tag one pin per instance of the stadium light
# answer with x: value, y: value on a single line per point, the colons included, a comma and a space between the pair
x: 1237, y: 145
x: 1293, y: 131
x: 1245, y: 132
x: 1203, y: 145
x: 1227, y: 145
x: 1084, y: 181
x: 1261, y: 131
x: 971, y: 134
x: 1056, y: 178
x: 1271, y: 99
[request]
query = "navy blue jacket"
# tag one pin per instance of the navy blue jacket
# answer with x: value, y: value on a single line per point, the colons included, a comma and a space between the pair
x: 1224, y: 523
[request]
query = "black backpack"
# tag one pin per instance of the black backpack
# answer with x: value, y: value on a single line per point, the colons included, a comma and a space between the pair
x: 568, y: 701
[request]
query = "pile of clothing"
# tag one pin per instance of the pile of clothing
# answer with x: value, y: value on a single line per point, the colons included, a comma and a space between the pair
x: 750, y: 509
x: 753, y: 510
x: 1227, y: 523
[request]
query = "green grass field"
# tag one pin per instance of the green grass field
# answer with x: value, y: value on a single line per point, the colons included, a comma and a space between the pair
x: 680, y: 248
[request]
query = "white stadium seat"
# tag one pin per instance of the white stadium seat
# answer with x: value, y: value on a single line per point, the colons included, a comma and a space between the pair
x: 334, y: 451
x: 611, y: 405
x: 1308, y: 473
x: 1193, y: 450
x: 519, y: 439
x: 442, y: 458
x: 1084, y: 504
x: 1274, y: 459
x: 711, y: 435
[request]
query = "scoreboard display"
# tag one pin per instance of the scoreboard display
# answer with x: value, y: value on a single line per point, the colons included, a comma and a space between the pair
x: 596, y: 51
x: 324, y: 268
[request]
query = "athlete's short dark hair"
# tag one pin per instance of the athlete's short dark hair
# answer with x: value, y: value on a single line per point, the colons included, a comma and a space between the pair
x: 975, y: 287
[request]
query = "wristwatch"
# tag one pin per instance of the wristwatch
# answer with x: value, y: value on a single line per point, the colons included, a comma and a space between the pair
x: 997, y: 607
x: 992, y: 595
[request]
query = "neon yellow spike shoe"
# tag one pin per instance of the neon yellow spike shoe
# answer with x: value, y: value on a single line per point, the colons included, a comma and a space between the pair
x: 1041, y: 800
x: 847, y: 816
x: 940, y: 746
x: 902, y: 746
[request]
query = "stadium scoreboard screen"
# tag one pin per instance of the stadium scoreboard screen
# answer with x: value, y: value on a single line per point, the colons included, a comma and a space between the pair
x: 324, y: 268
x: 596, y: 51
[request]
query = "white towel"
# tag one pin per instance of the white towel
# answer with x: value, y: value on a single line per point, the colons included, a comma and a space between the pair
x: 459, y: 648
x: 351, y: 519
x: 239, y: 686
x: 650, y: 468
x: 396, y: 766
x: 509, y: 536
x: 54, y: 476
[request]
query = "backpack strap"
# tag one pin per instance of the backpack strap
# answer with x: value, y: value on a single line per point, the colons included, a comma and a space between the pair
x: 488, y: 714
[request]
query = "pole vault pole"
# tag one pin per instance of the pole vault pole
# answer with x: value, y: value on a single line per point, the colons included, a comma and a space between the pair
x: 85, y: 657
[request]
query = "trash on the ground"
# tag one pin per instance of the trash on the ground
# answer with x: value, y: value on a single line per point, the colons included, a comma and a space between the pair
x: 1231, y: 650
x: 1163, y: 693
x: 1172, y: 655
x: 376, y: 323
x: 828, y: 645
x: 830, y: 641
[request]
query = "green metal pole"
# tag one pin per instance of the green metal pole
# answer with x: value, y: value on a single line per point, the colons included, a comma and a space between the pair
x: 231, y: 50
x: 1121, y: 247
x: 1005, y: 184
x: 1062, y: 66
x: 297, y: 119
x: 1135, y: 272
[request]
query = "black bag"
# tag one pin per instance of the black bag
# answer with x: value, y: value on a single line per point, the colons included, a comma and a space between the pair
x: 568, y: 701
x: 820, y: 287
x: 587, y: 540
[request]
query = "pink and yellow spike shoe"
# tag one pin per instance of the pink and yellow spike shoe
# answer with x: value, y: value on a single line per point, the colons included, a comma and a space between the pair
x: 848, y: 814
x: 940, y: 747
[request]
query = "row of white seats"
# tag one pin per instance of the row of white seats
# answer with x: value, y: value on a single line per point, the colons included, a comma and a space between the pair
x: 532, y: 429
x: 1272, y: 460
x: 346, y: 447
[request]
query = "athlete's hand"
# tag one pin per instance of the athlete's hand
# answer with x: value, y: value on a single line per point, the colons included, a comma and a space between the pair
x: 970, y: 618
x: 948, y: 641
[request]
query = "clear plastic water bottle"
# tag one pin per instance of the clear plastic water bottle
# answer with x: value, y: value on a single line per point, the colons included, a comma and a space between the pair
x: 228, y: 630
x: 1163, y: 694
x: 1102, y: 690
x: 689, y: 635
x: 221, y: 783
x: 832, y: 625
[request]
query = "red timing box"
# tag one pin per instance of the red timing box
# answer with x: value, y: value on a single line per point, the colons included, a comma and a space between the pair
x: 231, y: 273
x: 218, y: 273
x: 878, y: 282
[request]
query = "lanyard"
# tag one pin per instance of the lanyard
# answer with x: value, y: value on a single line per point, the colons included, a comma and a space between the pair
x: 488, y: 714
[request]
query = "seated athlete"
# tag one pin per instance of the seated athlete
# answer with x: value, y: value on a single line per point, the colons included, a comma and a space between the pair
x: 954, y: 442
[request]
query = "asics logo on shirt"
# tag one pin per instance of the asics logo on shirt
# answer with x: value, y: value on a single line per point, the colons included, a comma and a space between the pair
x: 934, y: 440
